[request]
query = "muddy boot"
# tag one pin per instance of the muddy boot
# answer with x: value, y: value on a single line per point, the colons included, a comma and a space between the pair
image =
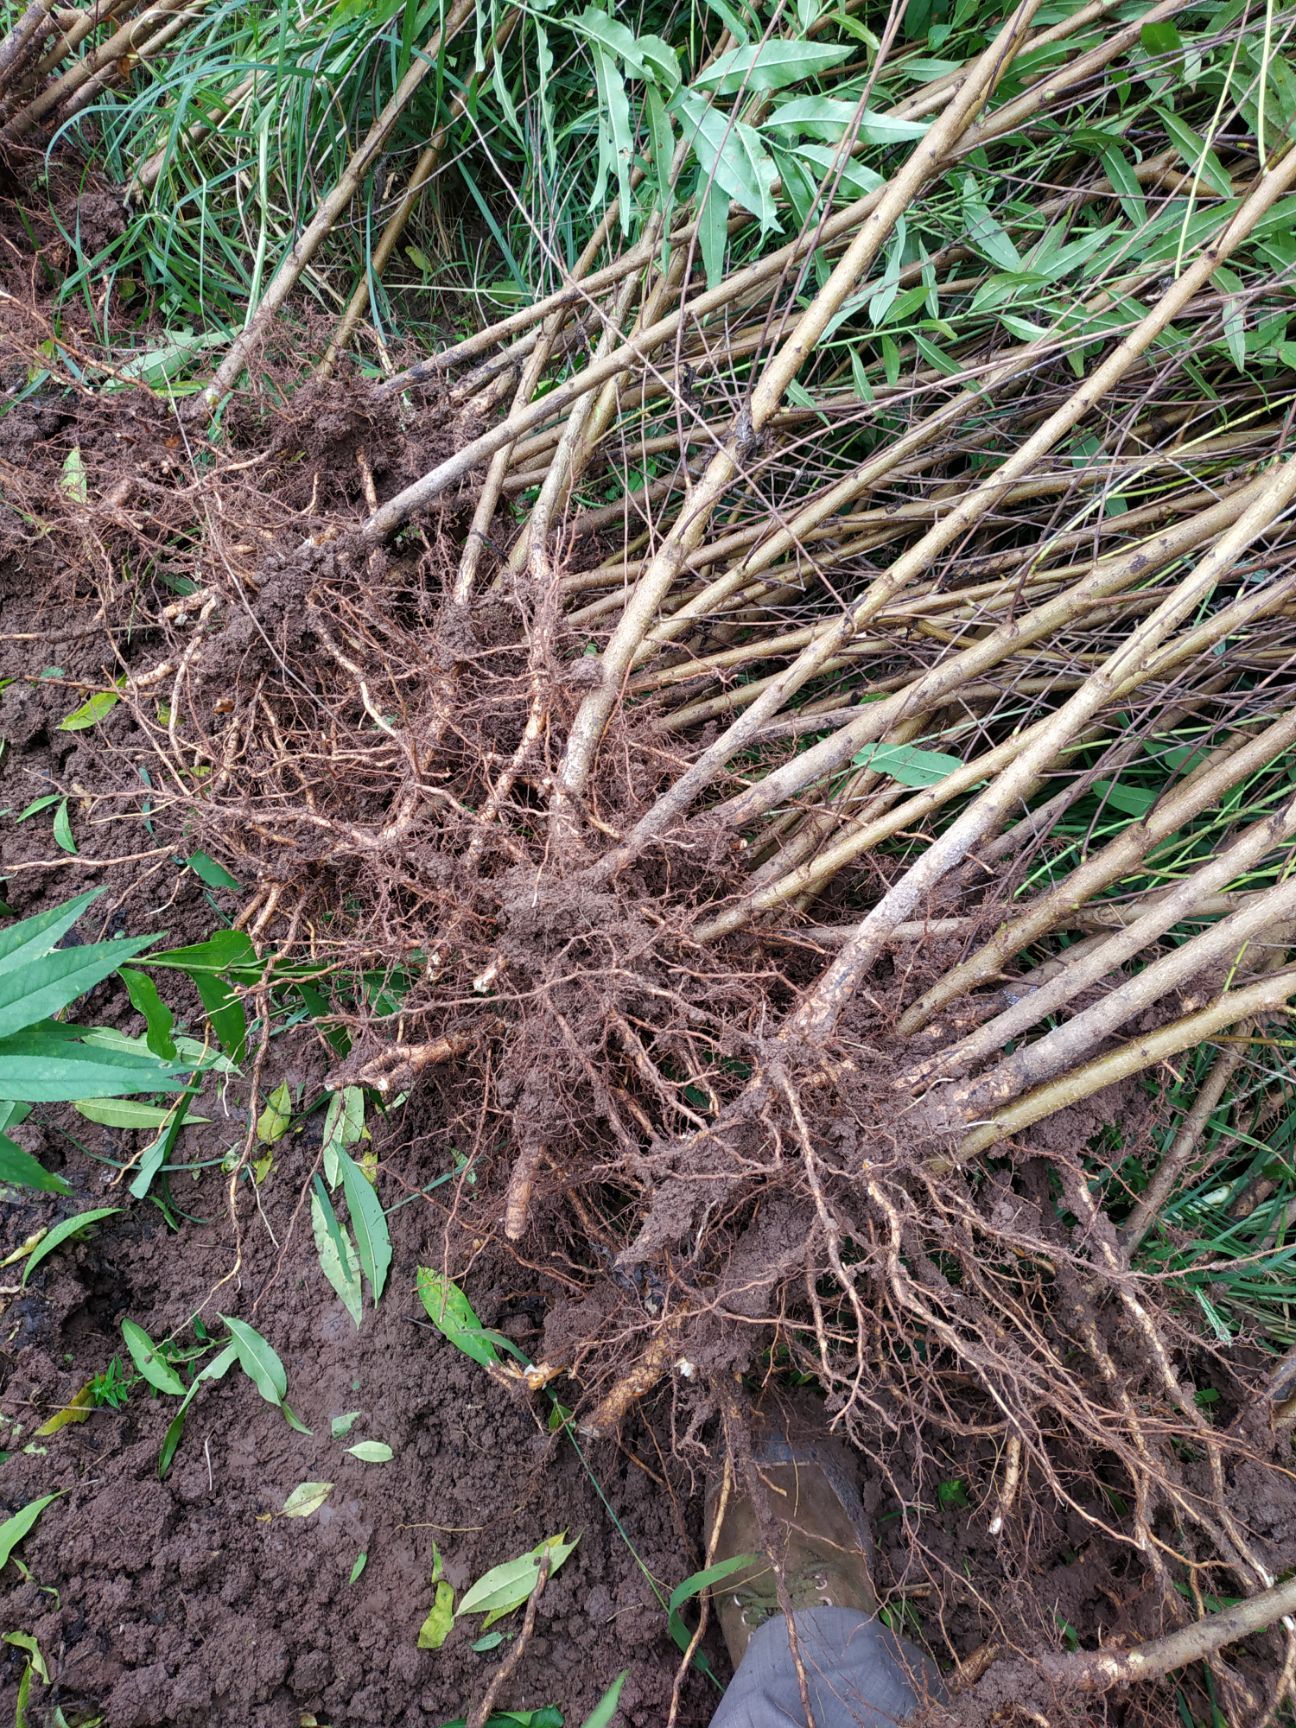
x: 856, y: 1671
x: 827, y: 1551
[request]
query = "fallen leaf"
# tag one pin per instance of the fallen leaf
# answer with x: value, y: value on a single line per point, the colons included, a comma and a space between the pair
x: 436, y: 1628
x: 371, y: 1452
x: 272, y: 1123
x: 76, y: 1411
x: 306, y: 1497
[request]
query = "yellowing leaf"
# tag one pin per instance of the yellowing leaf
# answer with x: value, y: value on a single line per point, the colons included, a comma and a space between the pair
x: 25, y: 1641
x: 306, y: 1497
x: 272, y: 1124
x: 77, y: 1411
x: 73, y: 478
x: 436, y: 1628
x: 24, y: 1248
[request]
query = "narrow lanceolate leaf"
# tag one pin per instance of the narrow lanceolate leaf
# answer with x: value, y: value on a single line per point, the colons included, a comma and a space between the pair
x: 45, y: 986
x: 129, y: 1113
x: 452, y: 1314
x: 909, y: 766
x: 149, y: 1360
x: 373, y: 1243
x: 258, y: 1360
x: 730, y: 152
x: 63, y: 836
x: 769, y: 66
x: 14, y: 1529
x: 72, y: 480
x: 338, y: 1259
x: 158, y: 1018
x: 22, y: 942
x: 606, y: 1708
x: 45, y: 1064
x: 91, y: 712
x: 19, y: 1169
x: 272, y: 1124
x: 62, y: 1232
x: 372, y: 1452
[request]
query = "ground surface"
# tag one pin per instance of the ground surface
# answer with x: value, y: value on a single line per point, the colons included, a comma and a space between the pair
x: 176, y: 1605
x: 175, y: 1602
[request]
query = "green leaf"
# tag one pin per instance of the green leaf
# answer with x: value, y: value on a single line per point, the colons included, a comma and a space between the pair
x: 693, y: 1586
x: 1124, y: 181
x: 46, y: 1064
x: 72, y: 479
x: 63, y: 836
x: 45, y: 986
x: 14, y: 1529
x: 158, y: 1018
x: 605, y: 1709
x: 713, y: 234
x: 441, y: 1617
x: 191, y: 1053
x: 151, y: 1363
x: 36, y: 805
x: 490, y: 1641
x: 20, y: 942
x: 207, y: 870
x: 158, y: 1150
x: 60, y: 1234
x: 372, y: 1452
x: 615, y: 139
x: 731, y: 153
x: 19, y: 1169
x: 258, y: 1360
x: 769, y: 65
x: 852, y: 179
x: 904, y: 763
x: 25, y: 1641
x: 611, y: 34
x: 1197, y: 153
x: 984, y: 232
x: 225, y: 1011
x: 452, y: 1314
x: 343, y: 1126
x: 373, y: 1243
x: 361, y: 1561
x: 272, y: 1124
x: 337, y: 1256
x: 731, y: 18
x: 223, y: 951
x: 91, y: 712
x: 216, y: 1369
x: 306, y: 1497
x: 830, y: 119
x: 506, y: 1587
x: 342, y: 1425
x: 1160, y: 37
x: 127, y: 1113
x: 1133, y: 800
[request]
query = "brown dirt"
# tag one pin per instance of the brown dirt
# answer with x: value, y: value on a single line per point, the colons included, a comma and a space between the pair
x: 172, y: 1602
